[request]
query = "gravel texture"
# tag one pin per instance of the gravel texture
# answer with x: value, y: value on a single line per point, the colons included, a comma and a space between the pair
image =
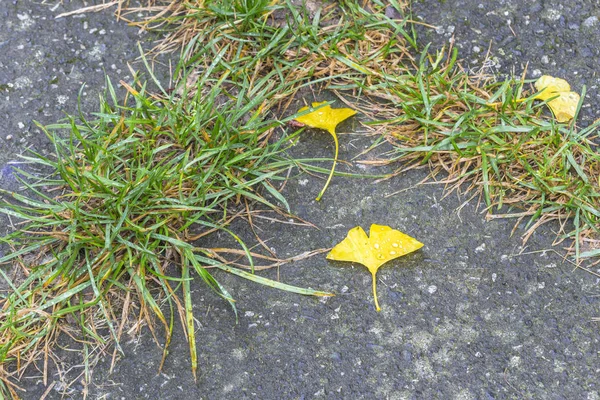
x: 466, y: 317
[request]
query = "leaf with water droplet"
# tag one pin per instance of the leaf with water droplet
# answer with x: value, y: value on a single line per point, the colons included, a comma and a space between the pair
x: 384, y: 245
x: 564, y: 102
x: 326, y: 118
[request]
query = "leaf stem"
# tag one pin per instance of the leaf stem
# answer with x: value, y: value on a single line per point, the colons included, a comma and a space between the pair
x: 335, y: 139
x: 375, y: 291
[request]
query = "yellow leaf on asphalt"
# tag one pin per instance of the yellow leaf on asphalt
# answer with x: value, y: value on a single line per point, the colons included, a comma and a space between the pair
x: 565, y: 105
x: 384, y: 245
x: 326, y: 118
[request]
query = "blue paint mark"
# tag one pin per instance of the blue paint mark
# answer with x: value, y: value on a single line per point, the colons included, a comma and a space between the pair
x: 7, y: 172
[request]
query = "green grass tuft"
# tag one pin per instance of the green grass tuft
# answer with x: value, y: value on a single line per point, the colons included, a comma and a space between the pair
x: 494, y: 139
x: 130, y: 193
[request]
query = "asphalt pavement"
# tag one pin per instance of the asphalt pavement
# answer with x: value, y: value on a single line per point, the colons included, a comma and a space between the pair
x: 472, y: 315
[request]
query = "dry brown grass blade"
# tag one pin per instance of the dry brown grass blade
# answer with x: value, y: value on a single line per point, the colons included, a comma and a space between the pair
x: 276, y: 262
x: 95, y: 8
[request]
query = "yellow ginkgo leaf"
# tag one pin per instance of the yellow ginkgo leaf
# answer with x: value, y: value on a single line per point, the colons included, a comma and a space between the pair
x: 565, y: 105
x: 326, y: 118
x: 384, y: 245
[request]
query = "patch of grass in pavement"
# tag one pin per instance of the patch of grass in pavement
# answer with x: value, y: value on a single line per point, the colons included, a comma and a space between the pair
x: 287, y: 44
x: 492, y: 138
x: 130, y: 193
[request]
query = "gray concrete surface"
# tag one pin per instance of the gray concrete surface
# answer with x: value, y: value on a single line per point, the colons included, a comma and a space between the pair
x: 466, y: 317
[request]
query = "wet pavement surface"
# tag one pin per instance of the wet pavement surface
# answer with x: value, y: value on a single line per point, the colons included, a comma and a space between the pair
x: 473, y: 315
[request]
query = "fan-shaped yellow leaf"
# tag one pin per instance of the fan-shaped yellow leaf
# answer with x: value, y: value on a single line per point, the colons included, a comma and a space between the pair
x: 565, y: 105
x: 327, y: 118
x: 384, y: 245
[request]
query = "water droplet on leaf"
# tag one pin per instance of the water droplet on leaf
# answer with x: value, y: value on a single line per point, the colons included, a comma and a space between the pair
x: 357, y: 247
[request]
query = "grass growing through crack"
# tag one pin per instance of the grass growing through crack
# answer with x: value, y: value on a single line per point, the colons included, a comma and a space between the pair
x: 130, y: 193
x: 491, y: 138
x: 287, y: 44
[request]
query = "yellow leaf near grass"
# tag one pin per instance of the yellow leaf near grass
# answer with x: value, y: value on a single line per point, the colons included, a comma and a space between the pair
x: 384, y: 245
x: 326, y: 118
x: 565, y: 105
